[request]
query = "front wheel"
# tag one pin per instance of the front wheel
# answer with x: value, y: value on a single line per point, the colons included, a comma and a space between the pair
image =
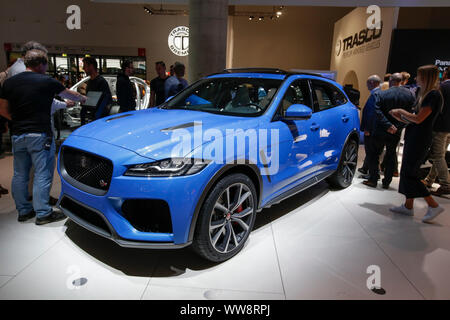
x: 226, y: 218
x: 345, y: 172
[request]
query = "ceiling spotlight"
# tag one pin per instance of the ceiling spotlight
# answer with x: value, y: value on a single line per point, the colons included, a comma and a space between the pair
x: 279, y: 12
x: 149, y: 11
x: 261, y: 18
x: 251, y: 18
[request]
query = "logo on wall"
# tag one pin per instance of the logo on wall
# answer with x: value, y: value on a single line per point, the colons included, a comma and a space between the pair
x: 179, y: 41
x: 338, y: 48
x: 365, y: 40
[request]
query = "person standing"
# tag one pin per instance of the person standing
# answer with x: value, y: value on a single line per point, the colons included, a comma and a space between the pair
x: 385, y: 85
x: 19, y: 65
x: 441, y: 140
x: 368, y: 118
x: 175, y: 83
x: 387, y: 130
x: 57, y: 110
x: 96, y: 83
x: 124, y: 88
x: 26, y: 101
x: 418, y: 139
x: 405, y: 78
x: 157, y: 94
x: 2, y: 130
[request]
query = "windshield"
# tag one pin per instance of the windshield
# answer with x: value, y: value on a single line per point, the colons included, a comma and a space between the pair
x: 231, y: 96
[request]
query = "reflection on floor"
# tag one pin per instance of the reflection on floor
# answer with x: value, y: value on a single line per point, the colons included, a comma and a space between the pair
x: 318, y: 244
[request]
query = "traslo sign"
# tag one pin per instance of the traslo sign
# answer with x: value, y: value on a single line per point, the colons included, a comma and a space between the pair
x: 179, y: 41
x: 365, y: 40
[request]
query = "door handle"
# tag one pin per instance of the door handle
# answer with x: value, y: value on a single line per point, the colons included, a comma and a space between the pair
x: 345, y: 118
x: 315, y: 127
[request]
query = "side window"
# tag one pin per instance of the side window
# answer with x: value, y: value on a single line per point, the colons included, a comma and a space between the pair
x: 326, y: 95
x: 338, y: 97
x: 297, y: 93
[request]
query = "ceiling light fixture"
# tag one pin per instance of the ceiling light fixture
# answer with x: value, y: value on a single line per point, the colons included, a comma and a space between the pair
x: 279, y: 12
x: 149, y: 11
x: 276, y: 13
x: 165, y: 12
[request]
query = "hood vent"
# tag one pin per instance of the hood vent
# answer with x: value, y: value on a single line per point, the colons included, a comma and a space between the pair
x: 119, y: 117
x: 182, y: 126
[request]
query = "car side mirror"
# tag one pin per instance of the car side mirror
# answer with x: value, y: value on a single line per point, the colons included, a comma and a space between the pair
x: 297, y: 112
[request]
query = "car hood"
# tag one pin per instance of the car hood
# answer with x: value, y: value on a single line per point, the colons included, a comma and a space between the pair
x: 150, y: 133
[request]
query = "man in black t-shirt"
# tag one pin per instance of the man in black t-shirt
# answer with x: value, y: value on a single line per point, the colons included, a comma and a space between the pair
x: 26, y: 100
x: 96, y: 83
x: 157, y: 85
x: 125, y: 90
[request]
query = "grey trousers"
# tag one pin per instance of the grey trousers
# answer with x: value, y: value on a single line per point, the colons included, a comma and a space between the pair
x: 439, y: 169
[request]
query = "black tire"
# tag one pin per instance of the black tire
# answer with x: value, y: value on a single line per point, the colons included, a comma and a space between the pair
x: 345, y: 172
x: 224, y: 194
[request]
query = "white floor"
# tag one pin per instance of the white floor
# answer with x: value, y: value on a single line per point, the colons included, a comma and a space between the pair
x: 315, y: 245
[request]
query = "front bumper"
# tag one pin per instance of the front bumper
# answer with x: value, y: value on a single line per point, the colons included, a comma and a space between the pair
x: 180, y: 193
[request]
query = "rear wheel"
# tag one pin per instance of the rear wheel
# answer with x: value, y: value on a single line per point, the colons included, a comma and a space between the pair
x: 345, y: 172
x: 226, y: 218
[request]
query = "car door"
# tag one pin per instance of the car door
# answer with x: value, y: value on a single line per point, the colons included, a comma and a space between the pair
x: 297, y: 139
x: 333, y: 119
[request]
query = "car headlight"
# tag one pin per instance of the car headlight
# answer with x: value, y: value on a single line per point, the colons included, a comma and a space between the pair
x: 173, y: 167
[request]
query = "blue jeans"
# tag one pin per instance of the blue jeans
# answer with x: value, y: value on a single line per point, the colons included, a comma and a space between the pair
x: 29, y: 150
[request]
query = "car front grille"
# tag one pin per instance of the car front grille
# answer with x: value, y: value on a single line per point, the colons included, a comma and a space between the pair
x: 85, y: 215
x: 87, y: 169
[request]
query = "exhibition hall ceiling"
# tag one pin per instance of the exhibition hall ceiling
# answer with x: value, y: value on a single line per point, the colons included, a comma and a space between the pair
x: 331, y: 3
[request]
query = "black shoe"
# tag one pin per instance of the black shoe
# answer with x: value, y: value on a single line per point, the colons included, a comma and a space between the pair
x: 385, y: 186
x: 363, y: 171
x: 370, y: 184
x: 52, y: 201
x: 364, y: 176
x: 52, y: 217
x: 25, y: 217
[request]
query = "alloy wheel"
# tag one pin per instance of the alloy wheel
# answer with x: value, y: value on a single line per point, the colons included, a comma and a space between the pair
x: 349, y: 162
x: 231, y: 218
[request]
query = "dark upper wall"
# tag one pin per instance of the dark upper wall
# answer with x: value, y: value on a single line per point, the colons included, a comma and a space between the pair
x: 424, y: 18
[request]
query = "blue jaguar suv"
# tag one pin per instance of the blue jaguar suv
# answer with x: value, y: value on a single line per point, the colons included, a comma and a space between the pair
x: 197, y: 169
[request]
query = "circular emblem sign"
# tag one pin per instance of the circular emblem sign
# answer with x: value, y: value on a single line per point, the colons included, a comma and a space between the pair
x: 338, y: 47
x: 179, y: 41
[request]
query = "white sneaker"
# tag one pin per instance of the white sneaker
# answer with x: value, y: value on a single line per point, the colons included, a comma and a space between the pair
x: 403, y: 210
x: 432, y: 213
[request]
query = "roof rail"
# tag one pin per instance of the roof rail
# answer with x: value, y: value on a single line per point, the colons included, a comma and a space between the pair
x: 255, y: 70
x: 269, y: 71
